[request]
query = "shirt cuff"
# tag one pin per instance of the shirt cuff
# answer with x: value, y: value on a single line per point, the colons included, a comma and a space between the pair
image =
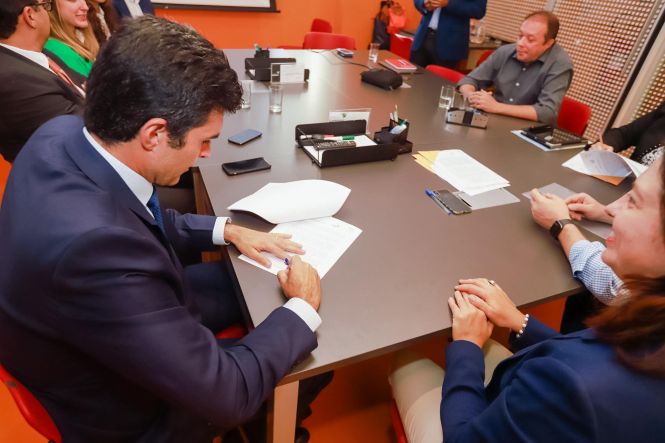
x: 218, y: 231
x: 305, y: 311
x: 580, y: 252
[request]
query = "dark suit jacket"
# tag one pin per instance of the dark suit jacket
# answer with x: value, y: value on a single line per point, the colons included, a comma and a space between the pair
x: 563, y: 388
x: 123, y: 11
x: 96, y: 318
x: 452, y: 36
x: 29, y: 96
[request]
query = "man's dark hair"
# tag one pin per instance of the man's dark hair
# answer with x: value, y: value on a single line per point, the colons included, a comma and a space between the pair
x: 155, y: 68
x: 550, y: 19
x: 10, y: 10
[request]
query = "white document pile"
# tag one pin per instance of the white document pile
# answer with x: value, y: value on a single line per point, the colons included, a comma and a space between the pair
x: 466, y: 173
x: 291, y: 201
x: 323, y: 239
x: 604, y: 163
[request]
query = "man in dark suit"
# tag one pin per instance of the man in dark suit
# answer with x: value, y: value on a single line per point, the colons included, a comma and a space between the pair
x: 442, y: 37
x: 97, y: 317
x: 133, y: 8
x: 30, y: 91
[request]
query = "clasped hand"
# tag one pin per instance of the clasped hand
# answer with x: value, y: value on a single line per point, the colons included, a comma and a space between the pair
x: 483, y: 100
x: 477, y: 306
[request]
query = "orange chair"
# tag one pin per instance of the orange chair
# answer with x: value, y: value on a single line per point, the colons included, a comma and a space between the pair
x: 321, y: 25
x: 484, y: 56
x: 448, y: 74
x: 401, y: 45
x: 327, y: 40
x: 32, y: 411
x: 574, y: 116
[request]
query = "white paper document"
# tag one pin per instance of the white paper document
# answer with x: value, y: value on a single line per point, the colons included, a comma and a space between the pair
x: 292, y: 201
x: 323, y: 239
x: 604, y: 163
x: 466, y: 173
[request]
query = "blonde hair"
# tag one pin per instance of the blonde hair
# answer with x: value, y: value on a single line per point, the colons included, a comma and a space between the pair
x: 88, y: 49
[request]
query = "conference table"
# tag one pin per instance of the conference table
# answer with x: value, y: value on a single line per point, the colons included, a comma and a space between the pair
x: 390, y: 288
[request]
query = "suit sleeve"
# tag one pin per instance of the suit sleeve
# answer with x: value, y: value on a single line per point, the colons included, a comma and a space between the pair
x: 466, y: 8
x: 125, y: 310
x: 420, y: 6
x: 189, y: 231
x: 629, y: 135
x: 544, y: 401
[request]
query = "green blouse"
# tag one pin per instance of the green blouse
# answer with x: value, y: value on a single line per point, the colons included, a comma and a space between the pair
x: 69, y: 57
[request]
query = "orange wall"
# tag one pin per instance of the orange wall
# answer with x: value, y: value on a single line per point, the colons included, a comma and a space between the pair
x: 242, y: 29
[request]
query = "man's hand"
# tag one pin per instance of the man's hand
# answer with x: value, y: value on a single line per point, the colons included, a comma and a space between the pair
x: 488, y: 296
x: 484, y: 101
x: 252, y: 243
x: 431, y: 5
x: 469, y: 322
x: 584, y: 206
x: 548, y: 208
x: 301, y: 280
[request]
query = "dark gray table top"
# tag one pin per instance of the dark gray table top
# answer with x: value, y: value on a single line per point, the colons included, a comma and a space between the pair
x: 391, y: 285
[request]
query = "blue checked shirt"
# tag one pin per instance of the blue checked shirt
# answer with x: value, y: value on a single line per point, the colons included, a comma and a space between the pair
x: 589, y: 268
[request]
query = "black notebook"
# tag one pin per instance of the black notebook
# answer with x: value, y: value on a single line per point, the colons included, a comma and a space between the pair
x: 555, y: 138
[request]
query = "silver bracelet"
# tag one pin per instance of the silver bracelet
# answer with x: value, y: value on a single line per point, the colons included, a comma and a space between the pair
x: 526, y: 321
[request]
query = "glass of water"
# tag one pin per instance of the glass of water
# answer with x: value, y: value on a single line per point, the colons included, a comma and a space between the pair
x: 246, y: 93
x: 276, y: 95
x: 447, y: 97
x: 373, y: 52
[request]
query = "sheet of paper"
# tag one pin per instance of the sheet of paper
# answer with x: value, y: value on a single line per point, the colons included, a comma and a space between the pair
x: 602, y: 230
x: 291, y: 201
x: 350, y: 114
x: 422, y: 161
x: 490, y: 199
x: 429, y: 155
x: 604, y: 164
x: 291, y: 73
x: 466, y: 173
x: 323, y: 239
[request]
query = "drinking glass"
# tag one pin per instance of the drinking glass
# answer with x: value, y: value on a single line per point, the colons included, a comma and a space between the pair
x: 276, y: 95
x: 447, y: 97
x: 246, y: 93
x: 373, y: 52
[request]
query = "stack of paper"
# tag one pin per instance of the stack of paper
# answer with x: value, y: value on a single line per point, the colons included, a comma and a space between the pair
x: 605, y: 165
x: 323, y: 239
x: 291, y: 201
x: 466, y: 173
x: 426, y: 159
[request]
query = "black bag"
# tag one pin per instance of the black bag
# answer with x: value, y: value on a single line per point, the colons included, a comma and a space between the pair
x: 382, y: 78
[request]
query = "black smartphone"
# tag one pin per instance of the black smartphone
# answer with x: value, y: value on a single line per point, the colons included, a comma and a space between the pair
x: 244, y: 166
x: 453, y: 202
x: 245, y: 136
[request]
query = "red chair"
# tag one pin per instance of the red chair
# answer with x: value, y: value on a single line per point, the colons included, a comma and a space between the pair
x: 398, y: 426
x: 484, y: 56
x: 448, y: 74
x: 233, y: 331
x: 401, y: 45
x: 327, y: 40
x: 321, y: 25
x: 32, y: 411
x: 574, y: 116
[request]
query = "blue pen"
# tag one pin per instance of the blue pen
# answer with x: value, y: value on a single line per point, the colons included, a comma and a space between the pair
x: 434, y: 196
x: 286, y: 261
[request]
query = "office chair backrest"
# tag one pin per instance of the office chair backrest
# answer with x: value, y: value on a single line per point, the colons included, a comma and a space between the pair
x: 321, y: 25
x: 484, y: 56
x: 401, y: 45
x: 31, y: 410
x: 448, y: 74
x: 326, y: 40
x: 574, y: 116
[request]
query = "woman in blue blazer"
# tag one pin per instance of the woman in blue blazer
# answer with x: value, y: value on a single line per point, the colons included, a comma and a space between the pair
x: 603, y: 384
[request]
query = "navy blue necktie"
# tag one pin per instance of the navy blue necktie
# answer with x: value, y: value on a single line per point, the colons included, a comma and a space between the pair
x: 153, y: 205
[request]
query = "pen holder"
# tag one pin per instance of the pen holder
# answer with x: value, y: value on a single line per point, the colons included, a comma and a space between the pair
x: 384, y: 137
x: 262, y: 53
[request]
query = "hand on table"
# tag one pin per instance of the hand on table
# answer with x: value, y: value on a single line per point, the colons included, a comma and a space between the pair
x: 483, y: 100
x: 301, y: 280
x: 469, y: 322
x: 547, y: 208
x: 584, y: 206
x: 488, y: 296
x: 600, y: 146
x: 252, y: 243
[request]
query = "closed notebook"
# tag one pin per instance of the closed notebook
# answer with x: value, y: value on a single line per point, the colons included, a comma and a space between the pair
x: 399, y: 65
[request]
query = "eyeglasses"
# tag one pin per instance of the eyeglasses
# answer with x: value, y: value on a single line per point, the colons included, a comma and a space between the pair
x: 47, y: 5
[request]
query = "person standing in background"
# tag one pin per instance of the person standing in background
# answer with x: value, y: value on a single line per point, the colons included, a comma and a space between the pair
x: 133, y: 8
x: 442, y: 37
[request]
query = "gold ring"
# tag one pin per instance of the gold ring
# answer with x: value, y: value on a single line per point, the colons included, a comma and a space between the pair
x: 491, y: 282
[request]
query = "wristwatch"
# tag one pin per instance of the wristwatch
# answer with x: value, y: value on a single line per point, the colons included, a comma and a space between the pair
x: 557, y: 227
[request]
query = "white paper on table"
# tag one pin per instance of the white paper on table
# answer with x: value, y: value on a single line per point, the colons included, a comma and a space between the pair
x: 466, y: 173
x: 291, y: 201
x: 604, y: 163
x: 323, y: 239
x: 350, y: 114
x: 289, y: 73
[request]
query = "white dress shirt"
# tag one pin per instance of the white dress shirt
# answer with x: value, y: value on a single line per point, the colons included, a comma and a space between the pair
x: 143, y: 189
x: 134, y: 8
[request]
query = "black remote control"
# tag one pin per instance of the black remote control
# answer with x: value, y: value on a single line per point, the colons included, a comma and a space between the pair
x: 334, y: 144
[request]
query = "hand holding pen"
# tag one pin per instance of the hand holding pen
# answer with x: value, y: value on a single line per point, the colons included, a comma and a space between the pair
x: 300, y: 280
